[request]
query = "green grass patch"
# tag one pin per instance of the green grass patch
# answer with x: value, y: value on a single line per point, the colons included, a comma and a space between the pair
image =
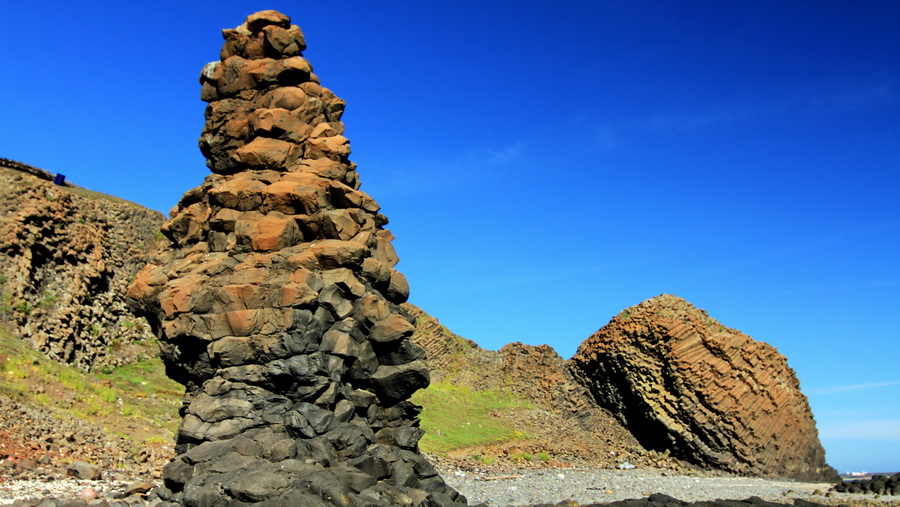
x: 138, y: 394
x: 455, y: 417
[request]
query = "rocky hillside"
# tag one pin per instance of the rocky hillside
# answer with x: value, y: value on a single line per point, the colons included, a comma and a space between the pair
x: 661, y: 385
x: 711, y: 395
x: 67, y: 256
x: 554, y: 415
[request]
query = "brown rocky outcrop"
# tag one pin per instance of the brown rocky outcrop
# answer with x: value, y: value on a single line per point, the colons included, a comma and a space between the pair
x: 558, y: 416
x: 277, y: 303
x: 67, y: 256
x: 682, y: 382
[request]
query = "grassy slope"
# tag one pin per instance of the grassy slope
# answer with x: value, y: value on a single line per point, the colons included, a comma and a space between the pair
x: 137, y: 401
x: 468, y: 406
x: 455, y: 417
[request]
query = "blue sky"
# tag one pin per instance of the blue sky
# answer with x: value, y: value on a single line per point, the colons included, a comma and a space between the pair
x: 546, y: 166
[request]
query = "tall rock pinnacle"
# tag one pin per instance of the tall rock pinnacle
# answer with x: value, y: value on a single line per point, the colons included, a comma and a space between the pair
x: 277, y: 304
x: 683, y: 383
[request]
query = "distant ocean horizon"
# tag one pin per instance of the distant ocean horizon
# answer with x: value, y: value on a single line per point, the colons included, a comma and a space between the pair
x: 863, y: 474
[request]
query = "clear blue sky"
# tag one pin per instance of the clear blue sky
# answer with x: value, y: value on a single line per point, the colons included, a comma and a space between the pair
x: 545, y: 166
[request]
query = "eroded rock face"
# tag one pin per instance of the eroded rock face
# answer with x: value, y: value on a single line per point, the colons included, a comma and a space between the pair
x: 67, y: 256
x: 711, y: 395
x: 277, y: 305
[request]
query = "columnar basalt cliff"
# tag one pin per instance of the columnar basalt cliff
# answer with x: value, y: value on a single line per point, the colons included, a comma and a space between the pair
x: 277, y: 304
x: 557, y: 416
x: 682, y: 382
x: 67, y: 256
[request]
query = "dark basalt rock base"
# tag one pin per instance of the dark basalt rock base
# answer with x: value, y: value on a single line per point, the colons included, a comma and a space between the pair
x: 877, y: 484
x: 302, y: 472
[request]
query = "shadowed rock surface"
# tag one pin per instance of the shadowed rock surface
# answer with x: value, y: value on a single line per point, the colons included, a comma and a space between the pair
x: 878, y: 484
x: 67, y: 256
x: 277, y: 304
x: 680, y: 381
x: 559, y: 418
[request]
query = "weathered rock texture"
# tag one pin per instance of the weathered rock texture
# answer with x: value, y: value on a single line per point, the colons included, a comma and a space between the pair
x: 682, y: 382
x: 277, y: 305
x: 67, y: 256
x: 557, y: 415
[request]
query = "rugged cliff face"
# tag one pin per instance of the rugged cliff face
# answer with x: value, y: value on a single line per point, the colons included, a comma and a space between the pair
x: 682, y: 382
x: 277, y: 303
x: 67, y: 256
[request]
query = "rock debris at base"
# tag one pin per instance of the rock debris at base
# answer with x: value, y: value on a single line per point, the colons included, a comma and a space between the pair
x: 878, y: 484
x: 586, y: 487
x: 567, y: 487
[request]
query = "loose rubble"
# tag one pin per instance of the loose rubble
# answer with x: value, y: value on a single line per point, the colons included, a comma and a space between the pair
x: 43, y: 456
x: 524, y: 487
x: 574, y: 487
x: 878, y: 484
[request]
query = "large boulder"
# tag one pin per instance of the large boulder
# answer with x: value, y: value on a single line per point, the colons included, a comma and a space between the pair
x: 277, y: 303
x: 683, y: 383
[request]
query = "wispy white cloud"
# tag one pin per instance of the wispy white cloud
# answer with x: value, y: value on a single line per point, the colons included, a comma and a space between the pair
x: 863, y: 93
x: 852, y: 387
x: 440, y: 174
x: 796, y: 249
x: 503, y: 155
x: 873, y: 429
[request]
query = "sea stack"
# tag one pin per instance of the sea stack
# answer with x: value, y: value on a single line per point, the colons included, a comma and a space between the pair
x: 277, y: 302
x: 681, y: 382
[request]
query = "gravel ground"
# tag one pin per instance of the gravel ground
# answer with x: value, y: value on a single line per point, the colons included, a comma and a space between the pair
x: 504, y: 487
x: 63, y: 489
x: 527, y: 487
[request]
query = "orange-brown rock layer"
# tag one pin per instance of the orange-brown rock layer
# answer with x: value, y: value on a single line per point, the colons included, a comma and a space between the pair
x: 67, y: 256
x: 682, y: 382
x: 558, y: 416
x: 277, y: 304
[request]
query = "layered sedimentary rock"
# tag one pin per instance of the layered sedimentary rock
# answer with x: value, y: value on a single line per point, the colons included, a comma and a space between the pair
x: 277, y: 304
x: 67, y: 256
x: 682, y: 382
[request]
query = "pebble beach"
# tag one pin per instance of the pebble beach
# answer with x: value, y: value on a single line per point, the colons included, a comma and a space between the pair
x: 559, y: 486
x: 584, y: 486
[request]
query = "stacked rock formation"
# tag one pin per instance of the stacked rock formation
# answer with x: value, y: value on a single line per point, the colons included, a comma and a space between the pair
x: 682, y: 382
x: 67, y: 256
x: 277, y: 305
